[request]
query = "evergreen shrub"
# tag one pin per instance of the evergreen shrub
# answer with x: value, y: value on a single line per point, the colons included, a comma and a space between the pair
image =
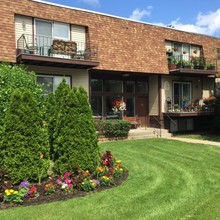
x: 24, y: 143
x: 75, y: 139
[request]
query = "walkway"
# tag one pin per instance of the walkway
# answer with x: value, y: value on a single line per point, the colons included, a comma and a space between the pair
x: 190, y: 140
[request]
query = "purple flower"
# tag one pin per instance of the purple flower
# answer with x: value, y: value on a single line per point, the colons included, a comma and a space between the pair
x: 24, y: 184
x: 97, y: 182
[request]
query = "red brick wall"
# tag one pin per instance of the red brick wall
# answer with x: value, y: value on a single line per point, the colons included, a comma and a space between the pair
x: 122, y: 45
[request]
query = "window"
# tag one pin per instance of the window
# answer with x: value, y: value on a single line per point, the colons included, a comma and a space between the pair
x: 129, y: 86
x: 142, y: 87
x: 96, y: 85
x: 113, y: 86
x: 129, y: 106
x: 50, y: 83
x: 181, y: 93
x: 46, y: 31
x: 96, y: 104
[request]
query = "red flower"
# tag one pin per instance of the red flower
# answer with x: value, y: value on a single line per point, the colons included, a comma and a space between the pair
x: 33, y: 189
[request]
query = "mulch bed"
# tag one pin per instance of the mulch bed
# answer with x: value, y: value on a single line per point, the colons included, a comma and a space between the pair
x: 59, y: 195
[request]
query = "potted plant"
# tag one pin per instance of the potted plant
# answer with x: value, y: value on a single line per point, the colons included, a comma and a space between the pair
x: 210, y: 66
x: 187, y: 64
x: 172, y: 62
x: 169, y: 52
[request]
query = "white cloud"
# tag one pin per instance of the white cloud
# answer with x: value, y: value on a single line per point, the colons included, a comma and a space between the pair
x: 91, y: 2
x: 208, y: 23
x: 138, y: 14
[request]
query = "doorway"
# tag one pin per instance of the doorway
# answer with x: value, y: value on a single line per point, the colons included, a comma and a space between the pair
x: 142, y: 109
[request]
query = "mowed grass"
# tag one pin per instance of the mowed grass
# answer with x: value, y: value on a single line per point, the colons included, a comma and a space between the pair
x: 167, y: 180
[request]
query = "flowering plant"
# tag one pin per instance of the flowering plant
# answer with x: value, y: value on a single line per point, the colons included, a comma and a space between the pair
x: 118, y: 105
x: 209, y: 100
x: 12, y: 195
x: 32, y: 192
x: 49, y: 188
x: 106, y: 181
x: 89, y: 185
x: 65, y: 182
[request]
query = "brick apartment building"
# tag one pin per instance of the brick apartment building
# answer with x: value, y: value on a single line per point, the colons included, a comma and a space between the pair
x: 112, y: 58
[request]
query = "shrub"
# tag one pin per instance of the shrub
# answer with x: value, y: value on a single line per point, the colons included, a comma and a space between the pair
x: 75, y: 139
x: 11, y: 78
x: 14, y: 77
x: 24, y: 142
x: 88, y: 150
x: 114, y: 128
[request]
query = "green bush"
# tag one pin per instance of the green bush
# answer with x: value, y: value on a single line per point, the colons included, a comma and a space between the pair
x: 24, y: 143
x: 88, y: 150
x: 113, y: 128
x: 16, y: 77
x: 75, y: 139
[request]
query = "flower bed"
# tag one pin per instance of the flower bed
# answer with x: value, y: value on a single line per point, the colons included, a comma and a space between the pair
x: 74, y: 183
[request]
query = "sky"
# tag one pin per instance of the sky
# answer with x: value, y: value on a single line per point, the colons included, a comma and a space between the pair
x: 199, y: 16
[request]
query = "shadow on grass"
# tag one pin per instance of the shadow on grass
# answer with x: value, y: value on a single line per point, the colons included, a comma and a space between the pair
x: 202, y: 136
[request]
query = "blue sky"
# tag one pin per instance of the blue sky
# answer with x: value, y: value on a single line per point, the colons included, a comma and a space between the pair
x: 200, y: 16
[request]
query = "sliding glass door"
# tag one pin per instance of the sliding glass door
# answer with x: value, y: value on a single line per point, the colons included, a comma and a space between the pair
x: 181, y: 93
x: 46, y: 31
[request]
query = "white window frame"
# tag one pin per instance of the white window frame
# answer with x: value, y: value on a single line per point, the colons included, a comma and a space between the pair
x: 53, y: 77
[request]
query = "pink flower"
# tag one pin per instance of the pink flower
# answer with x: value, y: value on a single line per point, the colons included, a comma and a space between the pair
x: 65, y: 175
x: 59, y: 181
x: 70, y: 185
x: 67, y: 181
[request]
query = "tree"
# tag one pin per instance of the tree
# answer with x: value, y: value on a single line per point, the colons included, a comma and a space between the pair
x: 75, y: 139
x: 24, y: 143
x: 13, y: 77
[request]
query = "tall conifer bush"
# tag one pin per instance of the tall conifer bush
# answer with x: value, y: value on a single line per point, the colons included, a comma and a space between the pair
x: 14, y: 77
x: 54, y: 106
x: 88, y: 147
x: 25, y: 141
x: 72, y: 147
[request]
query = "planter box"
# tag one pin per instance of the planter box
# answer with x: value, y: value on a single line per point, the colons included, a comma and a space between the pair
x: 172, y: 66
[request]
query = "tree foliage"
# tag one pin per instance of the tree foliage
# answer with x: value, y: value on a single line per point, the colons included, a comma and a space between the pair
x: 24, y: 141
x: 11, y: 78
x: 75, y: 139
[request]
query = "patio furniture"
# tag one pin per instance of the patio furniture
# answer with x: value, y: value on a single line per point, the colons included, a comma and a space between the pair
x: 29, y: 47
x: 135, y: 122
x: 168, y: 104
x: 70, y: 48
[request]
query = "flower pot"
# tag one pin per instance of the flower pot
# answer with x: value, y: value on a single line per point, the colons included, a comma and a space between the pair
x: 172, y: 66
x: 211, y: 68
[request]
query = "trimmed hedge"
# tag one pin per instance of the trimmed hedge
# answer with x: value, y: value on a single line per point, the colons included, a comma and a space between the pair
x: 113, y: 128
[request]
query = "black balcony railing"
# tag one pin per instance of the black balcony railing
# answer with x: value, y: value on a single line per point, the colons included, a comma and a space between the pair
x: 191, y: 62
x: 50, y: 47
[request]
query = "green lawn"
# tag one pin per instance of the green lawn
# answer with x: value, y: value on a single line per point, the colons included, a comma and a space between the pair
x: 167, y: 180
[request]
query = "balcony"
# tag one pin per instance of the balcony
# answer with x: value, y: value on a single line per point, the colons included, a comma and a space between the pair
x: 192, y: 65
x: 46, y: 51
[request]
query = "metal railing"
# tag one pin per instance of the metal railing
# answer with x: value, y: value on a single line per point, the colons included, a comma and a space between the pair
x: 43, y: 46
x: 160, y: 126
x: 193, y: 62
x: 174, y: 123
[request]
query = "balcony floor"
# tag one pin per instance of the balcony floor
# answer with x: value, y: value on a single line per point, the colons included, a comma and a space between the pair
x: 33, y: 59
